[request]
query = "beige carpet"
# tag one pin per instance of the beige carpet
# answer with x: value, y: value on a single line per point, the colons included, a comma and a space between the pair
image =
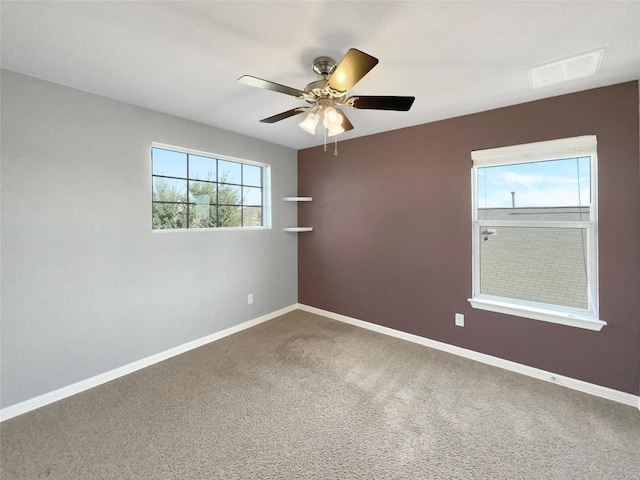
x: 304, y: 397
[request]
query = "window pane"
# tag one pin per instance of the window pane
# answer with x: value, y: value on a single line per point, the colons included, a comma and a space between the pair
x: 251, y: 175
x: 556, y: 183
x: 251, y: 196
x: 202, y: 168
x: 202, y: 192
x: 252, y: 217
x: 229, y: 194
x: 202, y: 215
x: 171, y: 164
x: 547, y: 265
x: 229, y: 216
x: 169, y: 215
x: 169, y: 190
x: 229, y: 172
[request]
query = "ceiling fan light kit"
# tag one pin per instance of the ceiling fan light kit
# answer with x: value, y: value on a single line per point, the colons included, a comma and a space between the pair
x: 310, y: 123
x: 335, y: 131
x: 332, y: 119
x: 328, y: 93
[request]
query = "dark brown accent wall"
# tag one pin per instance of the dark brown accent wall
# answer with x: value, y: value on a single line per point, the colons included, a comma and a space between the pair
x: 392, y: 233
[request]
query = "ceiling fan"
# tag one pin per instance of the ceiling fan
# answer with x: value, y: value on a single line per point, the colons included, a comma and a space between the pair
x: 327, y: 95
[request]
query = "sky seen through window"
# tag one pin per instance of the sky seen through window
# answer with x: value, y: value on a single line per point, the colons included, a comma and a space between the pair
x: 554, y: 183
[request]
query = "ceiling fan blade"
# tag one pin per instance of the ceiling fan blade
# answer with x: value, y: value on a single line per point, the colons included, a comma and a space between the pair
x: 402, y: 104
x: 346, y: 124
x: 276, y: 87
x: 283, y: 115
x: 352, y: 68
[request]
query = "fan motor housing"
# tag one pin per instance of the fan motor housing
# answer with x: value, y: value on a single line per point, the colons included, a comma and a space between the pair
x: 323, y: 66
x: 316, y: 88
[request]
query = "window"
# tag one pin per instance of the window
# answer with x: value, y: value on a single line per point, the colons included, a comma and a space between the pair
x: 535, y: 231
x: 199, y: 190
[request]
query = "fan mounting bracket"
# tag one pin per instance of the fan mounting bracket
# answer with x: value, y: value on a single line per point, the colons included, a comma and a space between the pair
x: 324, y: 65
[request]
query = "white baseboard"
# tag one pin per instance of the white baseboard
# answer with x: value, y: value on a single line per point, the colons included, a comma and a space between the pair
x: 581, y: 386
x: 64, y: 392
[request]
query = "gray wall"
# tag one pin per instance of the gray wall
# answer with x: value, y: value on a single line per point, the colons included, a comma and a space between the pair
x: 86, y: 285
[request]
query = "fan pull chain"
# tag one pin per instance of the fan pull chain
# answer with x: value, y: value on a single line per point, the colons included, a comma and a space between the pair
x: 335, y: 152
x: 325, y: 139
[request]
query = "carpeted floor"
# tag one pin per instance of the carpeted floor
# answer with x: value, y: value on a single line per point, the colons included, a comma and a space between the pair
x: 304, y: 397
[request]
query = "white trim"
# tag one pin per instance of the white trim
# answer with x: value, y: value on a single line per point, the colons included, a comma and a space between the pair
x: 165, y: 231
x: 531, y: 152
x: 83, y: 385
x: 534, y: 223
x: 475, y: 238
x: 593, y: 277
x: 267, y: 201
x: 201, y: 153
x: 572, y: 383
x: 570, y: 318
x: 78, y: 387
x: 582, y: 146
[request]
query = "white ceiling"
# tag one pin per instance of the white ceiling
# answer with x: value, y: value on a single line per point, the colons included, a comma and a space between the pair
x: 183, y: 58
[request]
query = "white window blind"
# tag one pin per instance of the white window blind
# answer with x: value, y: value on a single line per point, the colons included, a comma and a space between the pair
x: 534, y: 152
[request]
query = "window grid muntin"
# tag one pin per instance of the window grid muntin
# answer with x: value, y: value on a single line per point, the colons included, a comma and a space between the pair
x: 217, y: 204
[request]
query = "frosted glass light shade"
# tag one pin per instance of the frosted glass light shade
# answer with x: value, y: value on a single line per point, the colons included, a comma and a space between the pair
x: 332, y: 119
x: 310, y: 123
x: 332, y: 132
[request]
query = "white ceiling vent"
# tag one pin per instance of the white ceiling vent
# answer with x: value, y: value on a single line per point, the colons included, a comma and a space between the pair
x: 571, y: 68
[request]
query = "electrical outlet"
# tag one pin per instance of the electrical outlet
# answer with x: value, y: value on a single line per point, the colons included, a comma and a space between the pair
x: 459, y: 320
x: 250, y: 298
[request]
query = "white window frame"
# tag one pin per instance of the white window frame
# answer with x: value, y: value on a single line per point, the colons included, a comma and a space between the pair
x: 266, y: 189
x: 534, y: 152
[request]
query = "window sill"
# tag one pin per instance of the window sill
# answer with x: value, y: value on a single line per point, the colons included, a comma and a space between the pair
x: 213, y: 229
x: 536, y: 313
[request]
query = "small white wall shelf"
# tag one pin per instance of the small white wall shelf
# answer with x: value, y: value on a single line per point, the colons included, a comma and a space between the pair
x: 298, y: 229
x: 298, y: 199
